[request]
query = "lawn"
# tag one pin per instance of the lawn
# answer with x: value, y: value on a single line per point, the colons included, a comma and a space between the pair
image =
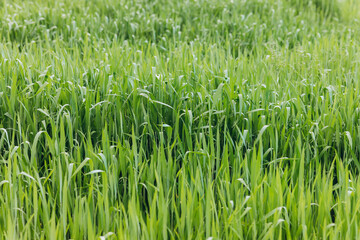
x: 180, y: 119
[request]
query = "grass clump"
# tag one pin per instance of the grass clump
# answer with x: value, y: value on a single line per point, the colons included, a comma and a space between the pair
x: 179, y: 119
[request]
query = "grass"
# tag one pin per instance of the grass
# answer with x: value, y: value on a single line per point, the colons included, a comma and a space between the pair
x: 182, y: 119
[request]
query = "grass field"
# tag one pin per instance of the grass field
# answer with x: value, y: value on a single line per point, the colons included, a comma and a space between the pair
x: 207, y: 119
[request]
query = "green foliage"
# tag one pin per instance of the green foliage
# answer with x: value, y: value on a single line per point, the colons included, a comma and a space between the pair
x: 325, y: 8
x: 182, y: 119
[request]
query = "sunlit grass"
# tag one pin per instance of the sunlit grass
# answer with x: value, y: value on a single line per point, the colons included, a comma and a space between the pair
x: 182, y: 119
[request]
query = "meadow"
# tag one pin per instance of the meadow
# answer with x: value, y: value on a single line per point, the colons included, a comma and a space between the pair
x: 187, y: 119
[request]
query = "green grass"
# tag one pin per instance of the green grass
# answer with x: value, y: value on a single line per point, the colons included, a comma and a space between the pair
x: 183, y: 119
